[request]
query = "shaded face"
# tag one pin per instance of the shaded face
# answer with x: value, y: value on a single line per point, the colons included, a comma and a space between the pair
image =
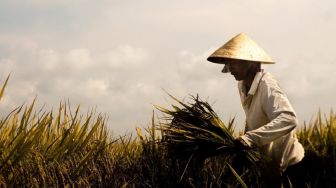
x: 238, y: 68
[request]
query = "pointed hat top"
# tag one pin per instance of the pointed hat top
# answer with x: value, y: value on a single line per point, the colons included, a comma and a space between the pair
x: 240, y: 47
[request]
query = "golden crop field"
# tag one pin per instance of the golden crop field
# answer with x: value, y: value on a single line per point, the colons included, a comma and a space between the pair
x: 70, y: 149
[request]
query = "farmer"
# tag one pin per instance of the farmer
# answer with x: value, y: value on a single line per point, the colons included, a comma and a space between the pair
x: 270, y: 118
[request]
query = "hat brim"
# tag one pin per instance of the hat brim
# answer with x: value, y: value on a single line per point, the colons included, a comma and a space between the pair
x: 224, y: 60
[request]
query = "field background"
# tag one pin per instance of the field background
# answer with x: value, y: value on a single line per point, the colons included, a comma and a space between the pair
x: 68, y: 148
x: 113, y: 57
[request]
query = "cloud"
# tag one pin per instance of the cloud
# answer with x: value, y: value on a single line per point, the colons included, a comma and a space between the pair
x: 48, y: 59
x: 91, y: 79
x: 119, y: 55
x: 126, y: 56
x: 78, y: 59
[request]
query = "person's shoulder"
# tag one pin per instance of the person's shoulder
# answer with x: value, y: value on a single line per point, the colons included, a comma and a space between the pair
x: 267, y: 76
x: 268, y: 80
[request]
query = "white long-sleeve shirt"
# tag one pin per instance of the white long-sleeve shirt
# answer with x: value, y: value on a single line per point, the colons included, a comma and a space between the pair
x: 270, y: 121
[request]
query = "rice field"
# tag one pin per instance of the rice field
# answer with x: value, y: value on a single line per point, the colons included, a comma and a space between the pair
x: 40, y: 148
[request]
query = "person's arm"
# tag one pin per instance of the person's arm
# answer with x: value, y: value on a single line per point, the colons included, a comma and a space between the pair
x: 279, y: 110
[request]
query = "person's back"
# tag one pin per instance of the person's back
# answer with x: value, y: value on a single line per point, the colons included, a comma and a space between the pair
x: 271, y: 122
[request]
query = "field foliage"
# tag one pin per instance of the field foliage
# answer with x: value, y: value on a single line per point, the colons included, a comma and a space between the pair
x: 40, y: 148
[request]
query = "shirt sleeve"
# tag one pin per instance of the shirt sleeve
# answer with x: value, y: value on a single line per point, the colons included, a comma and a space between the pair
x: 279, y: 111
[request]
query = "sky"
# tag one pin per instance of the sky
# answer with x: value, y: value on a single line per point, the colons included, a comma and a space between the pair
x: 120, y: 56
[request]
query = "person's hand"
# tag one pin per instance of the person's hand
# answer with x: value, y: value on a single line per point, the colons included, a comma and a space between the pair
x: 241, y: 144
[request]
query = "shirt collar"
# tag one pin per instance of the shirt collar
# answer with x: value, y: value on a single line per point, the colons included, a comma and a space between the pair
x: 254, y: 85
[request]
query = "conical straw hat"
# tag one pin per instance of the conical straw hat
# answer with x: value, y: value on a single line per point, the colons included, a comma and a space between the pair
x: 240, y: 47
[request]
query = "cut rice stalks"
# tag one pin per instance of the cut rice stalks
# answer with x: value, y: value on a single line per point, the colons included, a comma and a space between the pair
x: 194, y: 129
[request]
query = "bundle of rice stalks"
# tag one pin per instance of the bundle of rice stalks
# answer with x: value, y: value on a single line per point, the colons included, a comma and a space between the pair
x: 194, y: 130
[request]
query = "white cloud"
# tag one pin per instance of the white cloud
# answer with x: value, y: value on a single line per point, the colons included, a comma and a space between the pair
x: 126, y: 56
x: 78, y: 59
x: 48, y: 59
x: 119, y: 55
x: 93, y: 88
x: 6, y: 65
